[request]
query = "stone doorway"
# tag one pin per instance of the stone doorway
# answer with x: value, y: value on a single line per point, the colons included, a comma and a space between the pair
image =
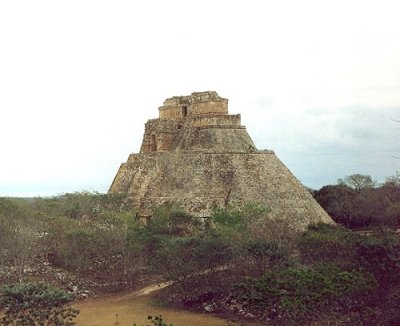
x: 184, y: 111
x: 153, y: 144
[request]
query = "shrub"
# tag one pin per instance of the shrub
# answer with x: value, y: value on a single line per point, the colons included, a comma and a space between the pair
x: 36, y: 304
x: 379, y: 254
x: 295, y: 294
x: 173, y: 221
x: 180, y: 258
x: 325, y: 243
x: 266, y: 253
x: 77, y: 249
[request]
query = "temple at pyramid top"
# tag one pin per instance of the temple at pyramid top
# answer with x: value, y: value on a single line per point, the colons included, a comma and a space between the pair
x: 196, y: 104
x: 197, y: 122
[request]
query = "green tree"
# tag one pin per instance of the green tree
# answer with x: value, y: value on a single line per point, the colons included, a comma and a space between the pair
x: 358, y: 182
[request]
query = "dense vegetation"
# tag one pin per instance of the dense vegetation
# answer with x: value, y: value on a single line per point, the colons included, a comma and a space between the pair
x: 82, y: 232
x: 260, y: 269
x: 237, y: 262
x: 36, y: 304
x: 358, y: 202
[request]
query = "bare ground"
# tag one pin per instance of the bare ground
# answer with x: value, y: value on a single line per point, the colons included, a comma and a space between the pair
x: 134, y: 307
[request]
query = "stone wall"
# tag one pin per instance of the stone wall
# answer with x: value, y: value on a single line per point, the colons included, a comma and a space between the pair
x: 200, y: 103
x: 159, y: 135
x: 172, y: 112
x: 199, y: 182
x: 214, y: 120
x: 213, y: 140
x: 209, y: 107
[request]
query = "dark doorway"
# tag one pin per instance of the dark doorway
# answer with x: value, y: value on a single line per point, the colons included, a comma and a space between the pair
x: 153, y: 144
x: 184, y: 111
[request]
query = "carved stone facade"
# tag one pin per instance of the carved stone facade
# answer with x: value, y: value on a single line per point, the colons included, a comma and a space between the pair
x: 181, y: 116
x: 199, y: 157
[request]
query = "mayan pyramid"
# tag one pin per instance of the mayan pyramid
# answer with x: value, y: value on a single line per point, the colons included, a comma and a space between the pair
x: 199, y: 157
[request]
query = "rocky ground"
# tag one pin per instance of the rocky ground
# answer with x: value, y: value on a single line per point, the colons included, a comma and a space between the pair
x: 40, y: 269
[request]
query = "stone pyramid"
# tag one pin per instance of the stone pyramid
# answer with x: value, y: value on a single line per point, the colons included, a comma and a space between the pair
x: 199, y: 157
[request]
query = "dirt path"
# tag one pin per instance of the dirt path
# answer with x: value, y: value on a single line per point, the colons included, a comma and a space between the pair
x: 134, y: 307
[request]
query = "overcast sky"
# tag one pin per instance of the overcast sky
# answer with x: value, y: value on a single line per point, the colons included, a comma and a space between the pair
x: 318, y: 82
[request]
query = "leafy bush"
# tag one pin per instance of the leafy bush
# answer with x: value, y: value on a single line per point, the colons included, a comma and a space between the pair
x: 380, y: 255
x: 166, y: 223
x: 179, y: 258
x: 238, y: 219
x: 377, y: 252
x: 36, y: 304
x: 77, y: 249
x: 173, y: 221
x: 266, y: 253
x: 325, y: 243
x: 296, y: 293
x: 179, y: 245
